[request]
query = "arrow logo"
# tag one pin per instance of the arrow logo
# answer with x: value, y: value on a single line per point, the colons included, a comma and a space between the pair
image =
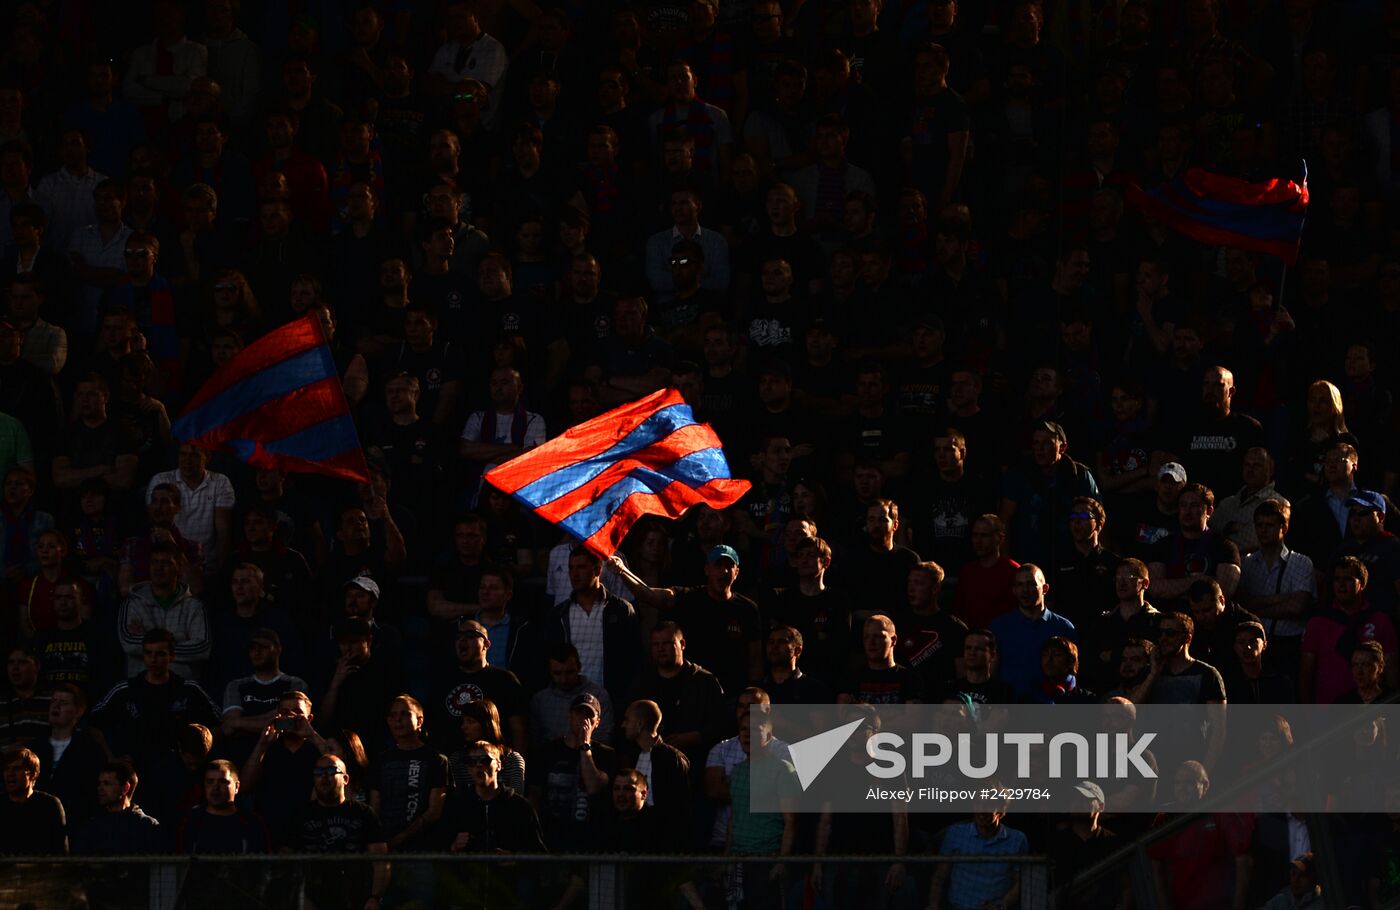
x: 811, y: 755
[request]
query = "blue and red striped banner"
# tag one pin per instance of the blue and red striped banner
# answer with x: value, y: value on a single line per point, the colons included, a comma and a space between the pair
x: 279, y: 404
x: 1226, y: 211
x: 649, y: 457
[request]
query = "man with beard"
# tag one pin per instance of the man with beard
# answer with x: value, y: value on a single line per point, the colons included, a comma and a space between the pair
x: 334, y: 823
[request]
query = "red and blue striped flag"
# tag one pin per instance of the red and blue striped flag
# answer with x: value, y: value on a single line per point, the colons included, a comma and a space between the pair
x: 649, y: 457
x: 1227, y: 211
x: 279, y: 404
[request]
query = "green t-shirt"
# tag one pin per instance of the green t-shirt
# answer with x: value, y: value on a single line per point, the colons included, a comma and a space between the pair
x: 759, y: 832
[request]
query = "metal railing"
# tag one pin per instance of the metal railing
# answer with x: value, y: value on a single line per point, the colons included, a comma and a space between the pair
x: 606, y: 881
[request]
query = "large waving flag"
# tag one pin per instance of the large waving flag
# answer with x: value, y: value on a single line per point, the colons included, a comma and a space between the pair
x: 649, y: 457
x: 279, y: 404
x: 1226, y: 211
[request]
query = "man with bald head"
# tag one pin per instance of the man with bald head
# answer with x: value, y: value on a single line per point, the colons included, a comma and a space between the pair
x: 1212, y: 445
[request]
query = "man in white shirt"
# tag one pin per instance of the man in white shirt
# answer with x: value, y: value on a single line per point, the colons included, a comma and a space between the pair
x: 470, y: 53
x: 66, y: 194
x: 206, y: 514
x: 503, y: 430
x: 163, y: 94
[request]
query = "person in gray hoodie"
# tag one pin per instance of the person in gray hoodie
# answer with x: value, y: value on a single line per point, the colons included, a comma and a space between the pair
x: 165, y: 602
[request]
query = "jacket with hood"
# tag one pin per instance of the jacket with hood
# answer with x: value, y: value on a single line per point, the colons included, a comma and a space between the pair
x: 184, y: 616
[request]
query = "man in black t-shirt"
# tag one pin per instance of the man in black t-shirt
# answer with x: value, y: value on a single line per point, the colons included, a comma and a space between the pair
x: 334, y: 823
x: 1212, y: 446
x: 930, y: 639
x: 947, y: 502
x: 474, y: 679
x: 31, y: 821
x: 220, y: 826
x: 1191, y: 553
x: 879, y: 571
x: 978, y: 684
x: 408, y: 789
x: 881, y: 681
x: 821, y: 613
x: 571, y: 791
x: 722, y: 627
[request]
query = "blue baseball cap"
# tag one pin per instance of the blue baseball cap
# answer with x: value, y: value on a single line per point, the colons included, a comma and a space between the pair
x: 723, y: 551
x: 1367, y: 499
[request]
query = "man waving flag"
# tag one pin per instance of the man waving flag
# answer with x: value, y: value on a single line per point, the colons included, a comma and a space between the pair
x: 649, y: 457
x: 279, y: 404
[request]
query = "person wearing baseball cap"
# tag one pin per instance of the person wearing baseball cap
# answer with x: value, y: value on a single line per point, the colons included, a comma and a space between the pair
x: 1368, y: 540
x: 574, y: 789
x: 1080, y: 842
x: 1302, y: 892
x: 1248, y: 681
x: 473, y: 678
x: 709, y: 614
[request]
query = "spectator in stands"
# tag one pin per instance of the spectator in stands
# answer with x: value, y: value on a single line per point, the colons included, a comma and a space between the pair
x: 24, y: 704
x: 142, y: 716
x: 1378, y: 548
x: 1035, y: 494
x: 70, y: 755
x: 206, y: 504
x: 280, y: 767
x: 45, y: 345
x: 1248, y: 680
x: 1022, y: 632
x: 551, y: 706
x: 1216, y: 621
x: 665, y: 767
x: 967, y: 885
x: 1324, y: 673
x: 165, y: 602
x: 34, y: 822
x: 219, y: 826
x: 119, y: 828
x: 334, y: 823
x: 690, y: 698
x: 1192, y: 552
x: 473, y: 677
x: 1234, y: 514
x: 94, y: 446
x: 577, y: 779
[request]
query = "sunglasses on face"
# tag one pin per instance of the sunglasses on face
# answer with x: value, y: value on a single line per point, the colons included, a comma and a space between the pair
x: 326, y: 772
x: 1080, y: 515
x: 681, y: 260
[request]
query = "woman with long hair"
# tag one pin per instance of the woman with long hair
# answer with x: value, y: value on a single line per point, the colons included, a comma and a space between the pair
x: 347, y: 745
x: 481, y: 721
x: 1326, y: 426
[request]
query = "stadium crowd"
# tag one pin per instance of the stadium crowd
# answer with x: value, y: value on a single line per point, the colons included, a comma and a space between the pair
x: 1010, y: 440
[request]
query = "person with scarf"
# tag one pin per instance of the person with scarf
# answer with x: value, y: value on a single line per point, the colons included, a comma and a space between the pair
x: 503, y: 430
x: 1332, y: 637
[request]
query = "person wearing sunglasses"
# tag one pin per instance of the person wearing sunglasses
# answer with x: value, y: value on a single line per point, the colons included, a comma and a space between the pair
x: 487, y: 817
x: 1177, y: 678
x: 334, y: 823
x: 1084, y: 576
